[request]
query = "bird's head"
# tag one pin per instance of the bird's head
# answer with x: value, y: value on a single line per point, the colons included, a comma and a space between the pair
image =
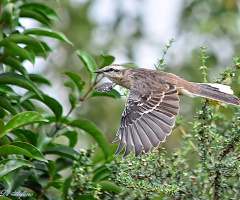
x: 116, y: 73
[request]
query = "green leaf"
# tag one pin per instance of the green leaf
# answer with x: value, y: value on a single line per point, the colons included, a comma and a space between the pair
x: 23, y: 39
x: 4, y: 140
x: 19, y: 179
x: 12, y: 49
x: 109, y: 186
x: 2, y: 125
x: 66, y: 186
x: 28, y: 105
x: 39, y: 79
x: 35, y: 15
x: 86, y: 197
x: 4, y: 89
x: 93, y: 131
x: 76, y: 79
x: 52, y: 103
x: 88, y: 62
x: 21, y: 120
x: 51, y: 167
x: 6, y: 12
x: 8, y: 165
x: 104, y: 173
x: 5, y: 198
x: 43, y: 140
x: 63, y: 151
x: 98, y: 156
x: 48, y: 33
x: 73, y: 138
x: 63, y: 163
x: 15, y: 64
x: 45, y: 10
x: 113, y: 94
x: 105, y: 60
x: 19, y: 80
x: 12, y: 149
x: 7, y: 106
x: 72, y: 86
x: 30, y: 148
x: 30, y: 136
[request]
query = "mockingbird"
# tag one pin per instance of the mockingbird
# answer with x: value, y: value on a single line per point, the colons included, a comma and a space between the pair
x: 153, y: 102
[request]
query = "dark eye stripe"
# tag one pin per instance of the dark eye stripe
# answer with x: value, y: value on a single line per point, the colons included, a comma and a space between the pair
x: 111, y: 69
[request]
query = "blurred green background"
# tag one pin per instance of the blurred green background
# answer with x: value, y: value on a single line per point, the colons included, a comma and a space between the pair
x: 136, y: 31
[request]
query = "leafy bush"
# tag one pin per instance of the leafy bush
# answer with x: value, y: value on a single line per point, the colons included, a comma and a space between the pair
x: 28, y: 135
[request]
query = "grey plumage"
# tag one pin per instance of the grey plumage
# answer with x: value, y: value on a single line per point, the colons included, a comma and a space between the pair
x: 153, y: 103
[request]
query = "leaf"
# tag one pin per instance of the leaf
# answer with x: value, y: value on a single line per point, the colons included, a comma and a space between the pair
x: 15, y: 64
x: 4, y: 89
x: 43, y: 140
x: 52, y: 103
x: 109, y: 186
x: 48, y: 33
x: 7, y: 106
x: 19, y: 179
x: 113, y: 94
x: 88, y: 62
x: 98, y: 156
x: 4, y: 140
x: 101, y: 175
x: 86, y: 197
x: 19, y: 80
x: 105, y: 60
x: 28, y: 105
x: 6, y: 198
x: 8, y: 165
x: 39, y: 79
x: 66, y: 186
x: 30, y: 136
x: 30, y: 148
x: 76, y: 79
x: 23, y: 39
x: 63, y: 151
x: 27, y: 150
x: 63, y: 163
x: 6, y: 12
x: 21, y: 120
x: 45, y: 10
x: 12, y: 49
x: 2, y: 125
x: 51, y: 167
x: 73, y: 138
x: 93, y: 131
x: 35, y: 15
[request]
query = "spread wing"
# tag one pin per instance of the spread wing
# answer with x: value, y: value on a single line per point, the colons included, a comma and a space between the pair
x: 147, y: 119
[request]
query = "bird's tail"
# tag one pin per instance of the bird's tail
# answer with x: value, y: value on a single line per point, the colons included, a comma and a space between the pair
x: 217, y: 92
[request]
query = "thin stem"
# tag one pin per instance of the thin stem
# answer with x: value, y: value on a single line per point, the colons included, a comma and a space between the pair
x: 160, y: 65
x: 184, y: 133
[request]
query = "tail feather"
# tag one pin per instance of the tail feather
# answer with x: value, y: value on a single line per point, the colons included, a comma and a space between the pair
x: 217, y: 92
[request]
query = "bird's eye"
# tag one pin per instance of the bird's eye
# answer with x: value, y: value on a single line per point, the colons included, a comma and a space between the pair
x: 111, y: 70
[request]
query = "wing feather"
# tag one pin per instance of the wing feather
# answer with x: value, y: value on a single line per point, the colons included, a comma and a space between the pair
x: 147, y: 119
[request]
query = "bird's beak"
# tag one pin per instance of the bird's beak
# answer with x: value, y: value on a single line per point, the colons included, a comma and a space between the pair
x: 99, y: 71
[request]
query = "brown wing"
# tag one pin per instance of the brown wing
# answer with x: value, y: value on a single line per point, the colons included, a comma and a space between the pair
x: 147, y: 119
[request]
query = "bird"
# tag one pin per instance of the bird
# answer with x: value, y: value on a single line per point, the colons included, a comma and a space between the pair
x: 153, y: 103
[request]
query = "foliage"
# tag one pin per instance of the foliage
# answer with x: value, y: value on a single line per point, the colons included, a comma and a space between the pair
x: 28, y: 134
x: 214, y: 171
